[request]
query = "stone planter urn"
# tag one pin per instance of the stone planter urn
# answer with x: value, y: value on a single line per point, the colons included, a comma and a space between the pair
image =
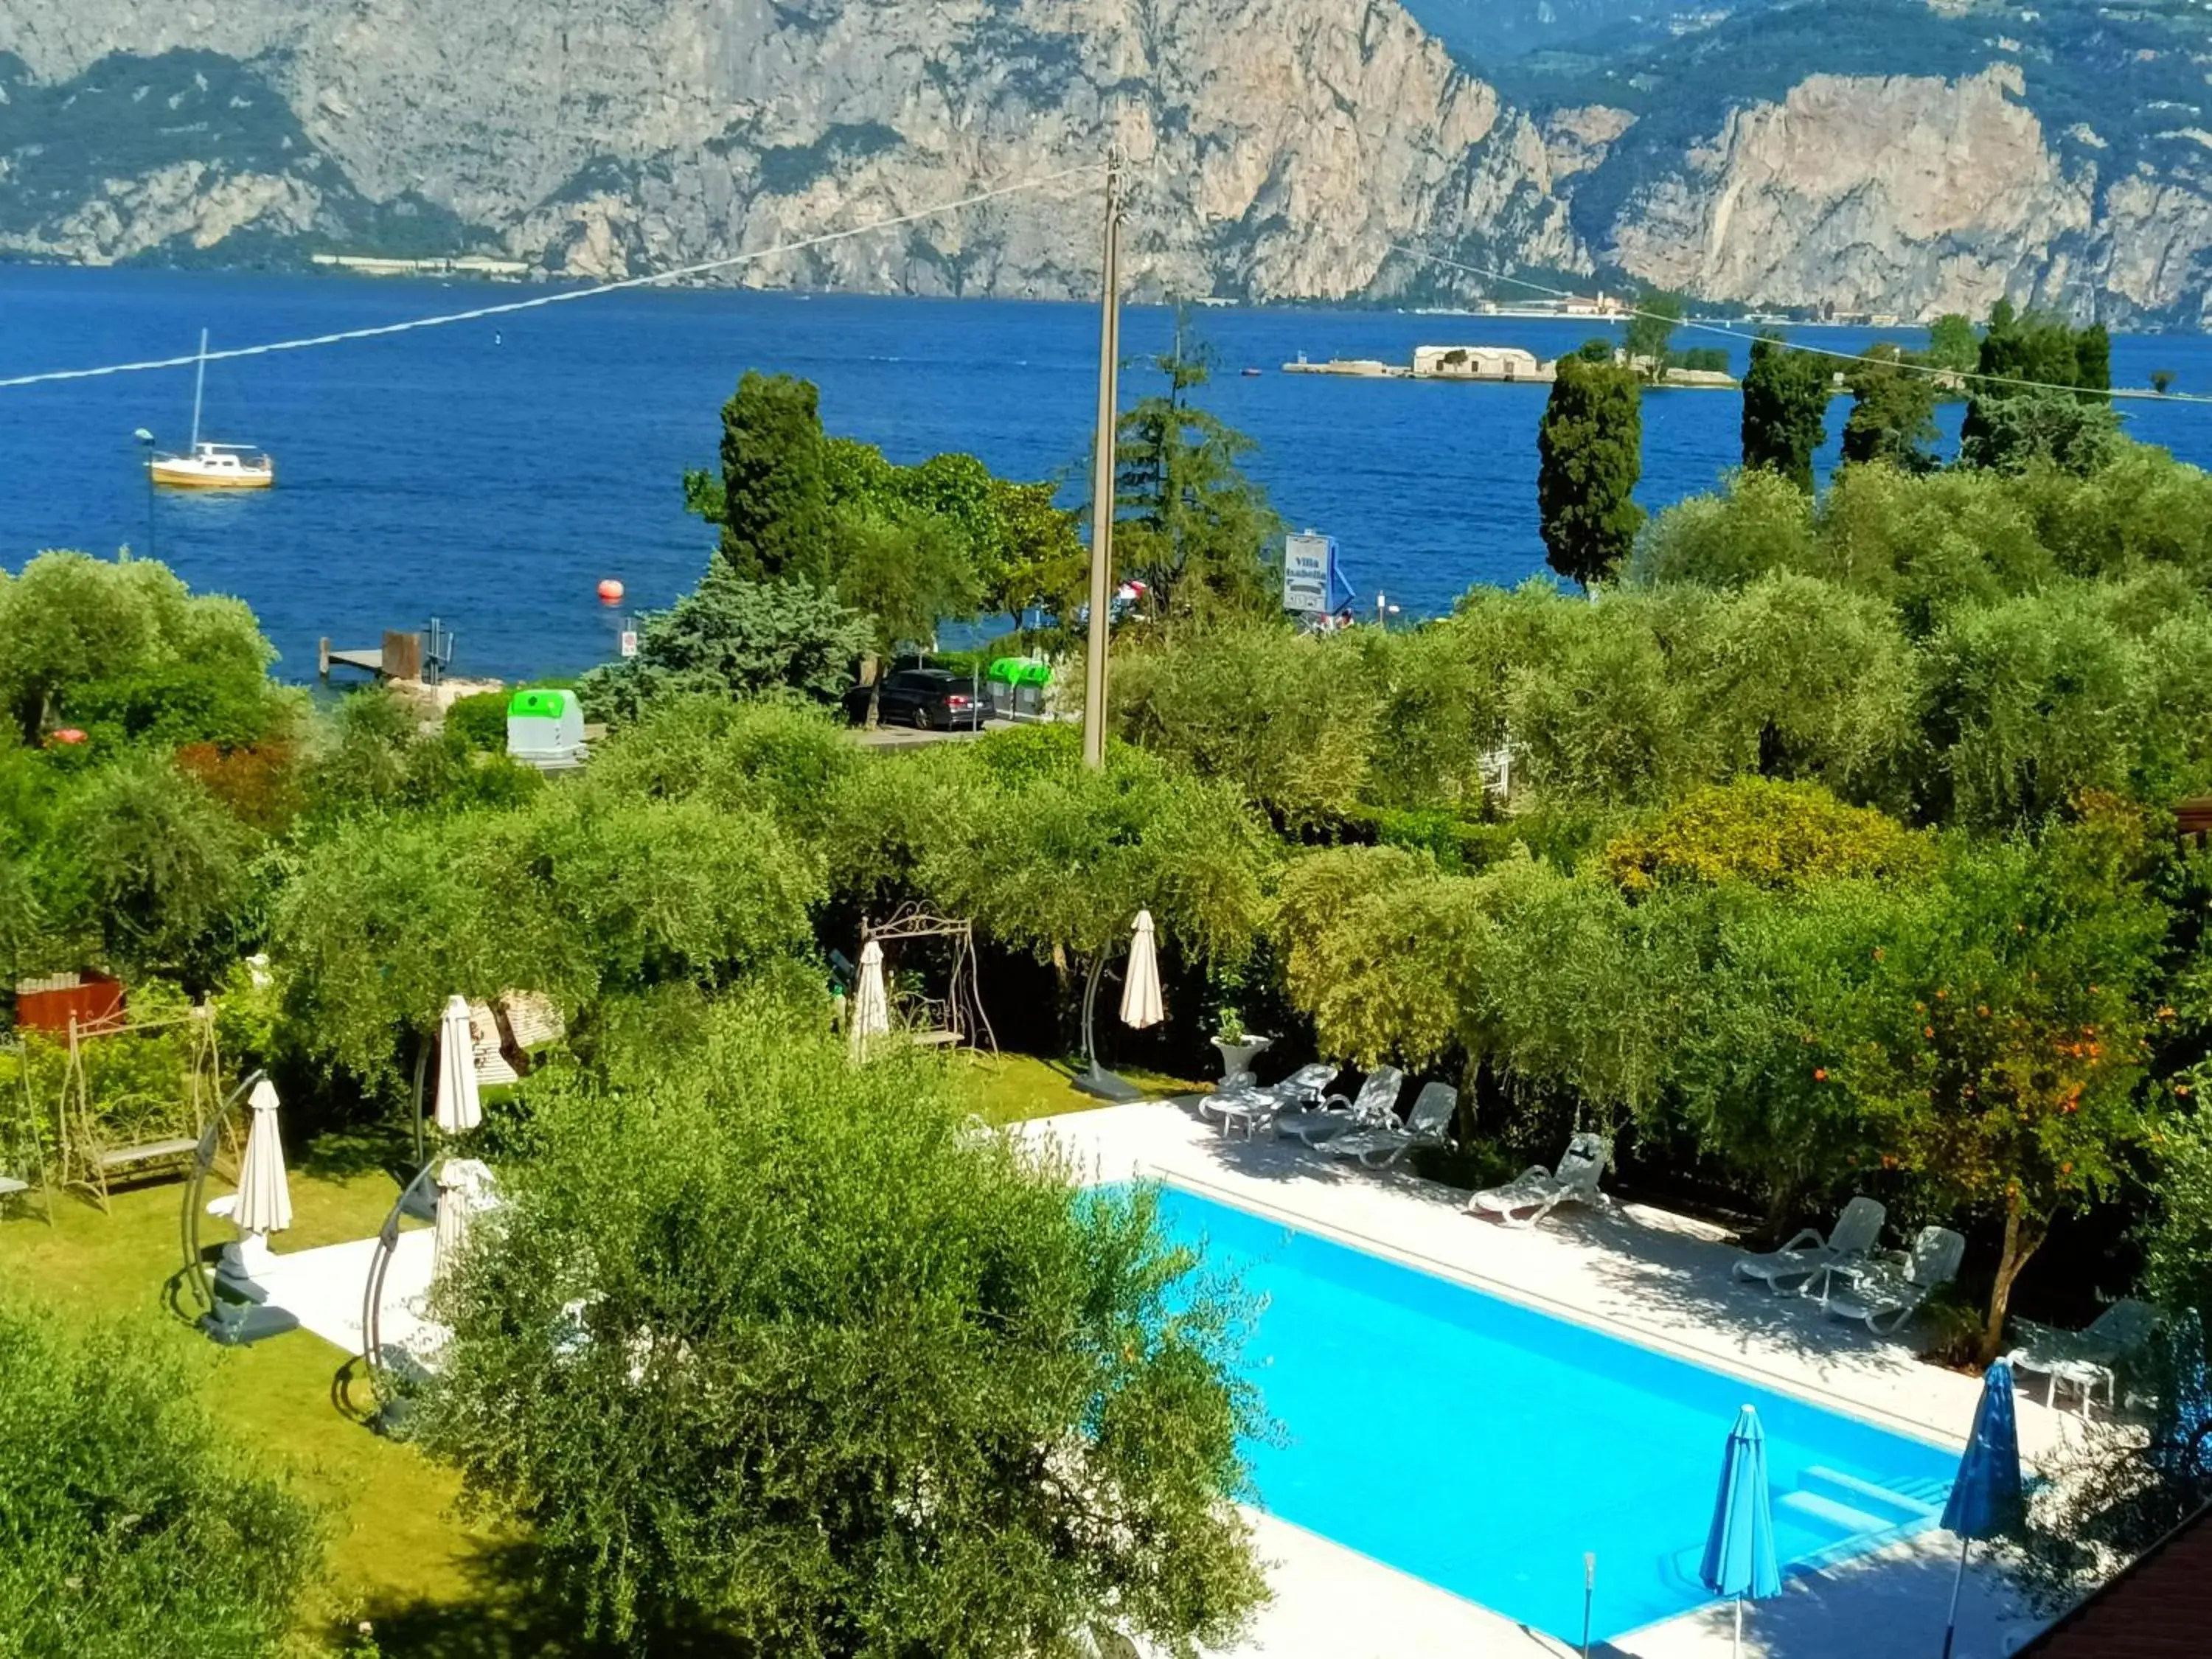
x: 1238, y: 1056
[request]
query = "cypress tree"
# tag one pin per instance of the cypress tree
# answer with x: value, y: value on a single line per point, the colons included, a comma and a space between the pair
x: 1786, y: 410
x: 1590, y: 447
x: 776, y: 493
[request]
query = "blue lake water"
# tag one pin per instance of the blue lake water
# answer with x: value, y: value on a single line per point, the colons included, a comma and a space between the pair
x: 493, y: 472
x: 1484, y: 1447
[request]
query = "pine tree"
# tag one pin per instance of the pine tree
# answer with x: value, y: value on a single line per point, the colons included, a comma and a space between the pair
x: 2037, y: 348
x: 1189, y: 523
x: 1893, y: 416
x: 1786, y: 410
x: 1590, y: 452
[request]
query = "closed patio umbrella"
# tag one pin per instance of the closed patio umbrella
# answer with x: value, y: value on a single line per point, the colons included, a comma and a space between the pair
x: 265, y: 1196
x: 872, y: 1004
x: 1739, y: 1560
x: 462, y: 1182
x: 459, y: 1107
x: 1142, y: 1004
x: 1986, y: 1498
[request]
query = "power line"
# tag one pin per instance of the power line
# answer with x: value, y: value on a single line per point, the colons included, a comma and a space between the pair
x: 1726, y: 332
x: 564, y: 296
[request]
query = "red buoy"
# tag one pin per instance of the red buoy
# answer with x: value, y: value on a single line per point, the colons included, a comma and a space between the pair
x: 611, y: 591
x: 69, y: 734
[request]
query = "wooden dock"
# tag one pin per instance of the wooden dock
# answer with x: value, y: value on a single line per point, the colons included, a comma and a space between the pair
x: 399, y: 658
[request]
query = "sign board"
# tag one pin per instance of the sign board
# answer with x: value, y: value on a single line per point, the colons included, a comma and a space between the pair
x: 1309, y: 572
x: 630, y: 641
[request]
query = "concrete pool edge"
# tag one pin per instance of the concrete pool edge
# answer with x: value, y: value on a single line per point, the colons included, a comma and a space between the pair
x: 1536, y: 1301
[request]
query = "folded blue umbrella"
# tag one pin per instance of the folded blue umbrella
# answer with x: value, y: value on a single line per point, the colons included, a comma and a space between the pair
x: 1739, y: 1560
x: 1986, y: 1498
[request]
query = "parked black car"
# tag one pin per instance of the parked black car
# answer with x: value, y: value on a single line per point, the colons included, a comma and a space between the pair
x: 930, y: 696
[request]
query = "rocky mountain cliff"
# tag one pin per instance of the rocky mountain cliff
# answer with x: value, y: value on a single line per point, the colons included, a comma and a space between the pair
x: 1279, y: 147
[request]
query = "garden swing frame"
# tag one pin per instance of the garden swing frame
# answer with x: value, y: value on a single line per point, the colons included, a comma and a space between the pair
x: 22, y: 1141
x: 87, y: 1158
x: 957, y: 1019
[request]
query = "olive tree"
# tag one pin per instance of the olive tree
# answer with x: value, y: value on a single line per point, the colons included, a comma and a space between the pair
x: 126, y: 650
x: 581, y: 894
x: 1058, y: 858
x: 1289, y: 716
x: 1382, y: 952
x: 1796, y: 678
x: 127, y: 1526
x: 768, y: 1345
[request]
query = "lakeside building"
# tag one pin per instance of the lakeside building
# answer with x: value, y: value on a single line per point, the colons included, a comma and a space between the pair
x: 467, y: 264
x: 1481, y: 363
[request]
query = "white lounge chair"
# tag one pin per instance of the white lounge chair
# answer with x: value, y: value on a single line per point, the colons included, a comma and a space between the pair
x: 1540, y: 1191
x: 2088, y: 1358
x: 1809, y: 1257
x: 1884, y: 1293
x: 1429, y: 1124
x: 1373, y: 1108
x: 1253, y: 1107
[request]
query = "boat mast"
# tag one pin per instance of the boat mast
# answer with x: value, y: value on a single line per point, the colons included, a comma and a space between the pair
x: 199, y: 385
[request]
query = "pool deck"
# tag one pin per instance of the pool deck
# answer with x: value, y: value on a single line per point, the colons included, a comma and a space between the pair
x: 1655, y: 1279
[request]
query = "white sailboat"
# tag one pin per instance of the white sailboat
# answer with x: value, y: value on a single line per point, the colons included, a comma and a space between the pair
x: 212, y: 466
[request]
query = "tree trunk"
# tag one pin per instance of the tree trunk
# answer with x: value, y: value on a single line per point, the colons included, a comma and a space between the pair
x: 1781, y: 1205
x: 1064, y: 983
x: 2023, y: 1235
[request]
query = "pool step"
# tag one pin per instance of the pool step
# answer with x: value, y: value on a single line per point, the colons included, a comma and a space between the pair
x: 1842, y: 1517
x: 1891, y: 1505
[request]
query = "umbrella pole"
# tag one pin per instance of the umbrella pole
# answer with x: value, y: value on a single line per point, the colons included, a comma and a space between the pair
x: 1951, y: 1623
x: 1096, y: 1080
x: 422, y: 1065
x: 1738, y: 1628
x: 1090, y: 1002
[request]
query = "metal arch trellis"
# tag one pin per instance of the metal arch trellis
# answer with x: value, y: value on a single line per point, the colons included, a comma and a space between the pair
x: 958, y: 1018
x: 416, y: 1198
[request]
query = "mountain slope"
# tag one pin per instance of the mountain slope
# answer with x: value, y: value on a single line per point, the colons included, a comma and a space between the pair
x: 1875, y: 155
x: 1277, y: 146
x: 1890, y: 154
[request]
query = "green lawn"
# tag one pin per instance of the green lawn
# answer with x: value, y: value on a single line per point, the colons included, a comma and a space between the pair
x: 1012, y: 1087
x: 398, y: 1554
x: 392, y: 1538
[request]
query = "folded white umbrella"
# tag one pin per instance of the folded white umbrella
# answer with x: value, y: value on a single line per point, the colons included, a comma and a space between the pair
x: 265, y: 1196
x: 459, y: 1106
x: 872, y: 1006
x: 1142, y: 1004
x: 462, y: 1185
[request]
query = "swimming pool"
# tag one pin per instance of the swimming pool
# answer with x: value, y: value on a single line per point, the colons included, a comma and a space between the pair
x: 1484, y: 1447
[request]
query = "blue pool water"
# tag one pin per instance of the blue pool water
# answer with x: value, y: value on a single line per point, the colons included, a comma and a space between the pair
x: 1484, y: 1447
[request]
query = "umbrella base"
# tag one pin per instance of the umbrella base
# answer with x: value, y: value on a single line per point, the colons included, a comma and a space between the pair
x: 1102, y: 1084
x: 240, y: 1324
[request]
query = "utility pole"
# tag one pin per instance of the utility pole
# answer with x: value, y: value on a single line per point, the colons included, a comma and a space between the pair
x: 1102, y: 478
